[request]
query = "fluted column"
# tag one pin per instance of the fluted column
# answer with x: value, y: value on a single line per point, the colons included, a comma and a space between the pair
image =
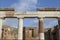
x: 20, y: 29
x: 41, y: 29
x: 1, y: 21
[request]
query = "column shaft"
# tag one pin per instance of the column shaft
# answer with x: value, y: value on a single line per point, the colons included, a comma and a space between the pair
x: 41, y: 29
x: 1, y: 21
x: 20, y: 29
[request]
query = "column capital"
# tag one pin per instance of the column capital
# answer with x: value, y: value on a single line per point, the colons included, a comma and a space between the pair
x: 2, y: 18
x: 20, y: 17
x: 40, y: 18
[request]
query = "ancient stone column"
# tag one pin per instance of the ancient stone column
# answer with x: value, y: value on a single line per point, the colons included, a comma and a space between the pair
x: 41, y: 29
x: 1, y: 21
x: 20, y: 29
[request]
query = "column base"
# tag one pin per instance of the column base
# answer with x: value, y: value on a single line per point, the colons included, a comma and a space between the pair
x: 41, y: 36
x: 20, y: 39
x: 41, y: 39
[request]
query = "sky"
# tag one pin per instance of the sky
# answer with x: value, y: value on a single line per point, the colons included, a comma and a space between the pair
x: 30, y: 5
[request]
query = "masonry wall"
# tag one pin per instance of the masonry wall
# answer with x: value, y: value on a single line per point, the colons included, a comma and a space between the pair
x: 30, y: 33
x: 8, y: 33
x: 54, y: 33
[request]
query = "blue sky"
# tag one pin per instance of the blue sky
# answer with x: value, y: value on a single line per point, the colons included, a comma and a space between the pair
x: 49, y: 3
x: 31, y: 22
x: 30, y: 5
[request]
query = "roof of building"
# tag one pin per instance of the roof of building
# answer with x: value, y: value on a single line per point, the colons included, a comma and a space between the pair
x: 48, y: 9
x: 7, y: 9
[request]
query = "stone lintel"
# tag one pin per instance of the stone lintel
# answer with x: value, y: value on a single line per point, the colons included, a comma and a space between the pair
x: 31, y: 14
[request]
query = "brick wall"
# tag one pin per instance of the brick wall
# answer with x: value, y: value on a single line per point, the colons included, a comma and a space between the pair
x: 30, y: 33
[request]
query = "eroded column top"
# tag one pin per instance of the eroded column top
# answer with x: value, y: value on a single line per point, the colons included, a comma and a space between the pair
x: 41, y: 18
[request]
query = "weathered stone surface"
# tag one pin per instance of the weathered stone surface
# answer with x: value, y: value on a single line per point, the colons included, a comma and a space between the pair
x: 9, y: 13
x: 30, y: 14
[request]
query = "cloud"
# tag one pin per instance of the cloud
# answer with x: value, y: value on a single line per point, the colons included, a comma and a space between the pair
x: 25, y: 5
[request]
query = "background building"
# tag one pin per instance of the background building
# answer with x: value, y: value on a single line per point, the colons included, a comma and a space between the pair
x: 9, y: 33
x: 53, y: 33
x: 30, y: 33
